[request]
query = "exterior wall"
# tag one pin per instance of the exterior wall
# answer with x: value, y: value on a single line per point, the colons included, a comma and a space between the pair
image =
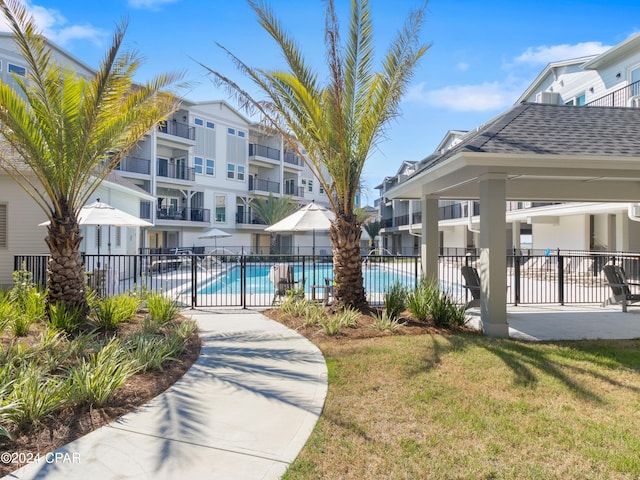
x: 571, y: 232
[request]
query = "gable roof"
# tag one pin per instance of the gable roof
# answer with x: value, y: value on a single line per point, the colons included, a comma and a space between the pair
x: 586, y: 153
x: 630, y: 45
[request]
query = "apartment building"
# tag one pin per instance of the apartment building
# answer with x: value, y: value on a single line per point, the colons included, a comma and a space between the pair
x: 610, y: 79
x: 197, y: 170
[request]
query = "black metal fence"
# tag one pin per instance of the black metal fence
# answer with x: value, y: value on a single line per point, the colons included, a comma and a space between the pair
x: 245, y: 280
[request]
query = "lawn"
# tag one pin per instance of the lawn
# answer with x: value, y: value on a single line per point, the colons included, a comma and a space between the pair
x: 461, y: 405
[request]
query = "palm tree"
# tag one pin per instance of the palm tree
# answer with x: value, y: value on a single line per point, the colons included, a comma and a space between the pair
x: 271, y: 210
x: 63, y: 134
x: 373, y: 229
x: 336, y: 124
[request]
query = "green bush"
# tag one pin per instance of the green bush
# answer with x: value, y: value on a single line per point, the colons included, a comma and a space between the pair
x: 419, y: 300
x: 395, y: 300
x: 110, y: 312
x: 162, y: 309
x: 445, y: 312
x: 6, y: 312
x: 65, y: 317
x: 313, y: 315
x: 295, y: 302
x: 383, y: 321
x: 93, y: 381
x: 331, y: 325
x: 349, y: 317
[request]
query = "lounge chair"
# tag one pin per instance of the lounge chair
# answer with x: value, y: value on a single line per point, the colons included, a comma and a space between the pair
x: 472, y: 283
x: 281, y: 275
x: 617, y: 281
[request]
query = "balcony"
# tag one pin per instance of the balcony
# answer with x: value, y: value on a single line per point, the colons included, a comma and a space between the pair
x: 624, y: 97
x: 178, y: 172
x: 293, y: 191
x: 247, y: 219
x: 176, y: 129
x: 261, y: 185
x: 293, y: 159
x: 184, y: 214
x: 257, y: 150
x: 135, y: 165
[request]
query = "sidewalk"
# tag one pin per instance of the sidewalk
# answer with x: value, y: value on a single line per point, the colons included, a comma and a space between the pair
x: 243, y: 411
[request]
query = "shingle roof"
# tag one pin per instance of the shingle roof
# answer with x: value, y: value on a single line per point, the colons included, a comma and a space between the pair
x: 554, y: 130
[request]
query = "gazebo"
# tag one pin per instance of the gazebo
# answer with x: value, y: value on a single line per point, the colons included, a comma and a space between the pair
x: 532, y: 152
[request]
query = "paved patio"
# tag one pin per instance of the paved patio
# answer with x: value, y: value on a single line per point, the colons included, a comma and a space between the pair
x: 568, y: 322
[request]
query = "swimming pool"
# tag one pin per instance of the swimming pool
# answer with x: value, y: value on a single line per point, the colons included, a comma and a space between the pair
x: 377, y: 279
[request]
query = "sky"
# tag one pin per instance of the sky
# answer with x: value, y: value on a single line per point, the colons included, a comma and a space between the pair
x: 483, y: 53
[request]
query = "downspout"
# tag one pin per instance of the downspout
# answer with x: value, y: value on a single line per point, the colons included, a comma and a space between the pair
x: 470, y: 216
x: 411, y: 232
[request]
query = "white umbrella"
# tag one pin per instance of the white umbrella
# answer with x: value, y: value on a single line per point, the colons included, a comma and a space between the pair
x: 309, y: 218
x: 215, y: 233
x: 103, y: 214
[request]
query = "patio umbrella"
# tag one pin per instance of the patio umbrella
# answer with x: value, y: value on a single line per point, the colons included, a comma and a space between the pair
x: 309, y: 218
x: 102, y: 214
x: 215, y: 233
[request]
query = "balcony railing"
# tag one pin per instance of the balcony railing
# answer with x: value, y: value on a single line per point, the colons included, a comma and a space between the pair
x: 257, y: 150
x: 177, y: 129
x: 135, y: 165
x: 179, y: 172
x: 184, y: 214
x: 261, y: 185
x: 248, y: 219
x: 295, y: 191
x: 293, y: 159
x: 618, y: 98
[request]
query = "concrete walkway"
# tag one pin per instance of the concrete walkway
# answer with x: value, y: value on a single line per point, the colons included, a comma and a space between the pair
x: 243, y: 411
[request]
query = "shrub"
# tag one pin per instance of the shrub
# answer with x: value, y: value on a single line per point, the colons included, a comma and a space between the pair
x: 348, y: 317
x: 445, y: 312
x: 419, y: 301
x: 93, y: 381
x: 149, y: 351
x: 162, y: 309
x: 331, y: 325
x: 6, y: 312
x: 35, y: 396
x: 383, y: 321
x: 64, y: 317
x: 313, y: 315
x: 110, y: 312
x: 295, y: 302
x: 395, y: 300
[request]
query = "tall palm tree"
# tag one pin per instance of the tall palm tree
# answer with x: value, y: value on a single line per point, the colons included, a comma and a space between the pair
x: 271, y: 210
x: 373, y: 229
x: 338, y: 123
x: 62, y: 134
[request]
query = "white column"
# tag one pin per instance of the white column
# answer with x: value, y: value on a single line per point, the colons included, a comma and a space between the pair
x: 493, y: 260
x: 430, y: 247
x: 622, y: 232
x: 515, y: 235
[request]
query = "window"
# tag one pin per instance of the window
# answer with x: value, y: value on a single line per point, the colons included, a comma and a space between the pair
x: 578, y: 100
x: 231, y: 171
x: 198, y: 121
x: 241, y: 134
x: 221, y: 208
x: 241, y: 173
x: 309, y: 185
x: 231, y: 131
x: 198, y: 164
x: 20, y: 71
x: 211, y: 168
x: 210, y: 125
x: 321, y: 188
x: 118, y: 236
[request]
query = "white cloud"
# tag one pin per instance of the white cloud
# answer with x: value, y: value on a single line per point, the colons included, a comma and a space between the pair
x: 543, y: 55
x: 467, y: 98
x: 149, y: 4
x: 54, y: 26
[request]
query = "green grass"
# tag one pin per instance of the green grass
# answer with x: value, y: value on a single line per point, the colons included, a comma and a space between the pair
x: 471, y: 407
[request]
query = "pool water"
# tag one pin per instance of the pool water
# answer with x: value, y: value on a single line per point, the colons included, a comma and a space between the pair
x: 376, y: 279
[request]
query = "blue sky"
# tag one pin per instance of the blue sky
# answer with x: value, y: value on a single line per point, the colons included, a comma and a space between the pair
x: 483, y: 53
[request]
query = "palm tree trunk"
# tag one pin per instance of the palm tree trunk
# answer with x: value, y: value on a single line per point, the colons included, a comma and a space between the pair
x: 273, y: 242
x: 345, y: 236
x: 65, y: 272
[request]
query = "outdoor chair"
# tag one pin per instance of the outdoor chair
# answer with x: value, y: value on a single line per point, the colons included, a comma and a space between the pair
x: 281, y: 274
x: 617, y: 281
x: 472, y: 283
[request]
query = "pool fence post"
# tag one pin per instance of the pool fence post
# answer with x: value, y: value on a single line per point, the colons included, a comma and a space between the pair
x: 194, y: 282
